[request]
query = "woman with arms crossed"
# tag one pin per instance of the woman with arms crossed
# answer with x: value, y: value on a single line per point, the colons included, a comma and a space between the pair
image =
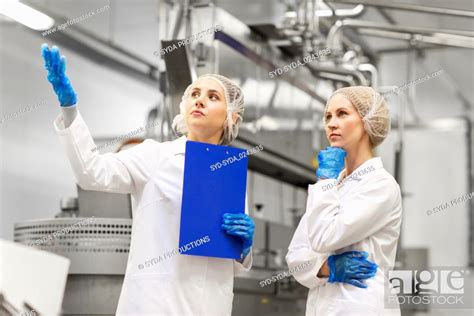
x: 210, y: 112
x: 355, y: 209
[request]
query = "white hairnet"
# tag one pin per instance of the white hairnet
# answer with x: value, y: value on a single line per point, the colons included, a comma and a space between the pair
x: 235, y: 104
x: 372, y: 109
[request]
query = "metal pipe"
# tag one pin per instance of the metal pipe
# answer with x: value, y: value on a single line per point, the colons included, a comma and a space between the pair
x: 351, y: 23
x: 409, y: 7
x: 351, y: 39
x: 273, y: 96
x: 311, y: 29
x: 331, y: 8
x: 403, y: 49
x: 434, y: 36
x: 454, y: 41
x: 374, y: 74
x: 178, y: 22
x: 335, y: 77
x: 314, y: 19
x: 339, y: 71
x: 301, y: 15
x: 386, y: 16
x: 349, y: 56
x: 334, y: 38
x: 341, y: 13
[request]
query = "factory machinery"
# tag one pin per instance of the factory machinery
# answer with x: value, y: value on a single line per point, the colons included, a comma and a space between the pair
x: 283, y: 114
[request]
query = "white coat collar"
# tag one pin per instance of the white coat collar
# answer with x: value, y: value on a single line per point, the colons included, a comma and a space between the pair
x: 371, y: 164
x: 178, y: 146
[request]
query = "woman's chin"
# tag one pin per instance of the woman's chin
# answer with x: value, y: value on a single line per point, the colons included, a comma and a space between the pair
x: 337, y: 144
x: 197, y: 125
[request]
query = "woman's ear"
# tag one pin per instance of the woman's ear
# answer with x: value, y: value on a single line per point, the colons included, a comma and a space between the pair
x: 235, y: 117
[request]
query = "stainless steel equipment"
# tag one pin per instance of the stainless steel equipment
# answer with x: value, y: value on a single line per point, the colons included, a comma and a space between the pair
x: 98, y: 249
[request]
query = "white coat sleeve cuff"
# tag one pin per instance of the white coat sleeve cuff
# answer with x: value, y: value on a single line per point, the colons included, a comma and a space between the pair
x: 244, y: 265
x: 304, y: 264
x: 69, y: 114
x: 306, y: 273
x: 63, y: 121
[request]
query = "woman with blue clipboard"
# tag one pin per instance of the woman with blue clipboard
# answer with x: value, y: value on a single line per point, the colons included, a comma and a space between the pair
x: 157, y: 280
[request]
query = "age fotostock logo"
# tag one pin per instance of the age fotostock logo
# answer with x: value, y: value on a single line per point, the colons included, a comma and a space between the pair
x: 443, y: 288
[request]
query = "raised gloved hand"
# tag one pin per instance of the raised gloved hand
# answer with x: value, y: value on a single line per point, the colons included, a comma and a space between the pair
x: 351, y: 267
x: 56, y: 67
x: 240, y: 225
x: 331, y: 162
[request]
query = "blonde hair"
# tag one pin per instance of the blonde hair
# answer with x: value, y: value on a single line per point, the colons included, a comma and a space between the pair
x: 371, y: 107
x: 235, y: 104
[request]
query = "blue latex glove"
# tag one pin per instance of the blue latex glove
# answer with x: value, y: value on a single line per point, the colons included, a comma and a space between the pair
x: 240, y: 225
x: 351, y: 267
x: 56, y: 67
x: 331, y: 162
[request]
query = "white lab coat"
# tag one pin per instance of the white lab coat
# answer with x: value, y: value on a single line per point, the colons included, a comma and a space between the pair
x: 361, y: 214
x: 153, y: 173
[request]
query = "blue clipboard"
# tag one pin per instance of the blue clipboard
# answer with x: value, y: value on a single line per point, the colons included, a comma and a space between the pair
x: 214, y: 183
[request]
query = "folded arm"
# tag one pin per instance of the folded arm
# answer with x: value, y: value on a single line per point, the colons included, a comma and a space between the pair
x: 333, y: 224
